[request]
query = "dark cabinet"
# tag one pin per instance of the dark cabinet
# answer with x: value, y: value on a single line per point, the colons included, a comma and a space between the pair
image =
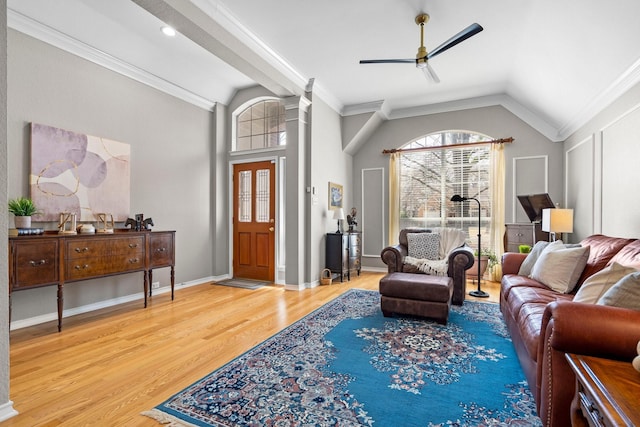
x: 344, y: 253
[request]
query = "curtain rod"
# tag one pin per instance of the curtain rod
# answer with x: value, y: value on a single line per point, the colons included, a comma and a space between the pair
x: 439, y: 147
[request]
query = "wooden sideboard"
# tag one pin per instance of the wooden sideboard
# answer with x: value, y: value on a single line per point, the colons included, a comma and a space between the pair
x: 55, y: 259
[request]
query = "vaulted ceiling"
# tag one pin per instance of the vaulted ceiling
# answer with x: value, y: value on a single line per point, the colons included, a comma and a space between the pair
x: 554, y: 64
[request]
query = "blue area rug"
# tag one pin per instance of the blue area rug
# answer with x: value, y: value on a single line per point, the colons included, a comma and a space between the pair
x: 347, y: 365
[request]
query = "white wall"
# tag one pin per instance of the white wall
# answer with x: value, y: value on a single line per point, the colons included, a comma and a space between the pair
x: 495, y: 122
x: 171, y: 150
x: 602, y: 169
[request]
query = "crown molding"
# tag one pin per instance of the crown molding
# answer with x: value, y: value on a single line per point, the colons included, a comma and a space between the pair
x: 622, y: 84
x: 367, y: 107
x: 62, y: 41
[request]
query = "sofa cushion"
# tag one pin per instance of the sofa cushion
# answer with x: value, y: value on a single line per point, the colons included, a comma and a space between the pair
x: 595, y: 286
x: 520, y: 296
x: 625, y: 293
x: 601, y: 250
x: 424, y: 245
x: 530, y: 260
x: 511, y: 281
x: 560, y: 268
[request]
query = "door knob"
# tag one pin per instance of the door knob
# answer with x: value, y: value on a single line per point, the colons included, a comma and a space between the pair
x: 271, y: 228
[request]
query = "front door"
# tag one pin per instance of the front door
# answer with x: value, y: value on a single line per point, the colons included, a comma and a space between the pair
x: 254, y: 220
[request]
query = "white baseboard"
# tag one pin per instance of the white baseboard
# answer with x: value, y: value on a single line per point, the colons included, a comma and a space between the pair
x: 7, y: 411
x: 36, y: 320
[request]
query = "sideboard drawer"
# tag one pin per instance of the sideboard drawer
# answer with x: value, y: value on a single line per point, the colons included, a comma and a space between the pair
x: 96, y: 246
x: 161, y: 249
x: 35, y: 263
x: 102, y: 266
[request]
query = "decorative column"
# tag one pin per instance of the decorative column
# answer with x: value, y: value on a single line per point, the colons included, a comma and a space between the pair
x: 295, y: 221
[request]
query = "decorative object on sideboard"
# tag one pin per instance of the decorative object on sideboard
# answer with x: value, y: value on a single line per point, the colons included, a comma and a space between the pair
x: 556, y: 220
x: 22, y: 208
x: 479, y: 293
x: 86, y: 228
x: 105, y: 223
x: 338, y: 215
x: 351, y: 219
x: 139, y: 223
x: 636, y: 360
x: 67, y: 223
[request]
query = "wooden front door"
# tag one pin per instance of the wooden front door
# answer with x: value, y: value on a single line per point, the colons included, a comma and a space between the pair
x: 254, y: 220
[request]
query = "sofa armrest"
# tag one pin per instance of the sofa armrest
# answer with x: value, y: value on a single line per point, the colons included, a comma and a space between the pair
x: 587, y: 329
x: 460, y: 260
x: 393, y: 256
x: 511, y: 262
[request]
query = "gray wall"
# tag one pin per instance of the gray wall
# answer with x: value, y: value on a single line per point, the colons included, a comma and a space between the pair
x: 602, y: 170
x: 529, y: 147
x: 171, y: 147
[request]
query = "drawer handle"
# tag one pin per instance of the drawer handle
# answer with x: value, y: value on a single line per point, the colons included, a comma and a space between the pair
x: 133, y: 260
x: 37, y: 263
x: 594, y: 410
x: 84, y: 267
x: 81, y: 249
x: 133, y: 245
x: 161, y: 249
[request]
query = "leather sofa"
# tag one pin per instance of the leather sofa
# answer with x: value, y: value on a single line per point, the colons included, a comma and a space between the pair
x: 459, y: 261
x: 545, y: 324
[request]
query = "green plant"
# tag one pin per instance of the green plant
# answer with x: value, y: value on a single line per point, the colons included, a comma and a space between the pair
x: 524, y: 249
x: 491, y: 257
x: 22, y: 206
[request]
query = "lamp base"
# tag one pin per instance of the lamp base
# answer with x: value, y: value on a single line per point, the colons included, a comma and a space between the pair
x: 479, y: 294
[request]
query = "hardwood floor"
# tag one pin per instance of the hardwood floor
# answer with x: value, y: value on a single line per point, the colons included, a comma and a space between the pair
x: 107, y: 366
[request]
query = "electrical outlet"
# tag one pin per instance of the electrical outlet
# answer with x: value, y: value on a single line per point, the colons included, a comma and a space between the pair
x: 155, y: 285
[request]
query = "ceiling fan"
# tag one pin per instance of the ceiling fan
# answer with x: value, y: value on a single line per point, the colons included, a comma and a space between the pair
x: 422, y: 57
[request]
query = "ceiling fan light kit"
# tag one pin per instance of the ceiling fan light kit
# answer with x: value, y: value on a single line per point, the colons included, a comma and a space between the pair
x: 422, y: 57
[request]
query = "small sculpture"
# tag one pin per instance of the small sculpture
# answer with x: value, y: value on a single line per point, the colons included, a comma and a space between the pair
x: 148, y: 223
x: 351, y: 219
x: 67, y: 224
x: 105, y: 223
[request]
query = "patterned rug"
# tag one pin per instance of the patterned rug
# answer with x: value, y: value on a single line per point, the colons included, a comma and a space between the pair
x: 347, y: 365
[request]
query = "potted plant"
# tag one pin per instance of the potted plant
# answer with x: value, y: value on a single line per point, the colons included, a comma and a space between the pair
x: 488, y: 260
x: 22, y: 208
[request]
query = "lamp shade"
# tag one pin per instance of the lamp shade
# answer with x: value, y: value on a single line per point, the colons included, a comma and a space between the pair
x: 556, y: 220
x: 338, y: 214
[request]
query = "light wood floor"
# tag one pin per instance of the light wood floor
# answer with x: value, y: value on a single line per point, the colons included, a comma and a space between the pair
x: 107, y: 366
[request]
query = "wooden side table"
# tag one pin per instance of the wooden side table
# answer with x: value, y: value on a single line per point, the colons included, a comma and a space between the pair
x: 607, y: 392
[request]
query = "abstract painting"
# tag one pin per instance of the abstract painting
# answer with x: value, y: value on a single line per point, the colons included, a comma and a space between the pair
x: 335, y: 196
x: 78, y: 173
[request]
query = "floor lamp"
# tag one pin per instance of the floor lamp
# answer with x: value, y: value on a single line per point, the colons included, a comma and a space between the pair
x: 479, y: 293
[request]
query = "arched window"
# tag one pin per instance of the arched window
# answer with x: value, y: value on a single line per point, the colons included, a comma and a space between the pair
x: 261, y: 125
x: 435, y: 171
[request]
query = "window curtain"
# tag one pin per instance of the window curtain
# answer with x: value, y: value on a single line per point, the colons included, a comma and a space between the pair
x: 496, y: 187
x: 394, y: 199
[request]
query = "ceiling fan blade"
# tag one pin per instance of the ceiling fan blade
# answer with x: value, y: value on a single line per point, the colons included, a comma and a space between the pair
x: 430, y: 74
x: 388, y: 61
x: 470, y: 31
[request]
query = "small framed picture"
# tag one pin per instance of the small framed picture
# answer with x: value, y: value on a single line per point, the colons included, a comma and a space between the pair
x: 335, y: 196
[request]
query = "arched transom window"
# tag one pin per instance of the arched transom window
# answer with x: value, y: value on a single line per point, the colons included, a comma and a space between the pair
x: 261, y: 125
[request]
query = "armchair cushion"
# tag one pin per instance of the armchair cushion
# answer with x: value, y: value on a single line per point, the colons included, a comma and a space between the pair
x: 424, y: 245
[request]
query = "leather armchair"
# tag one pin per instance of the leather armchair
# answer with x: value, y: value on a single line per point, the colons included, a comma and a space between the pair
x: 459, y: 261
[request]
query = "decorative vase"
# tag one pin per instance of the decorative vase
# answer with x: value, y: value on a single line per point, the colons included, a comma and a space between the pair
x: 22, y: 221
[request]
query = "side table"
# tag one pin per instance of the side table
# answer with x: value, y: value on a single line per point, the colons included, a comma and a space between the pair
x: 607, y: 392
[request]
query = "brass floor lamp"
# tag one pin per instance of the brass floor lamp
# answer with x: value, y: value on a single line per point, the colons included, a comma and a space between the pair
x: 479, y: 293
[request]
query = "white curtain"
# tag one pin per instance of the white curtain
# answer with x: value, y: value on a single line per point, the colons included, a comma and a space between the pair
x: 394, y: 199
x: 496, y: 187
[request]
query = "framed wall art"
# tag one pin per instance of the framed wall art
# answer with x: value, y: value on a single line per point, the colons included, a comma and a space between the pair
x: 78, y: 173
x: 335, y: 196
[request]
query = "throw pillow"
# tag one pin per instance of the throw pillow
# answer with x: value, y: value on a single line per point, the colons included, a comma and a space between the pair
x: 423, y: 245
x: 560, y: 268
x: 530, y: 260
x: 595, y: 286
x: 625, y: 293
